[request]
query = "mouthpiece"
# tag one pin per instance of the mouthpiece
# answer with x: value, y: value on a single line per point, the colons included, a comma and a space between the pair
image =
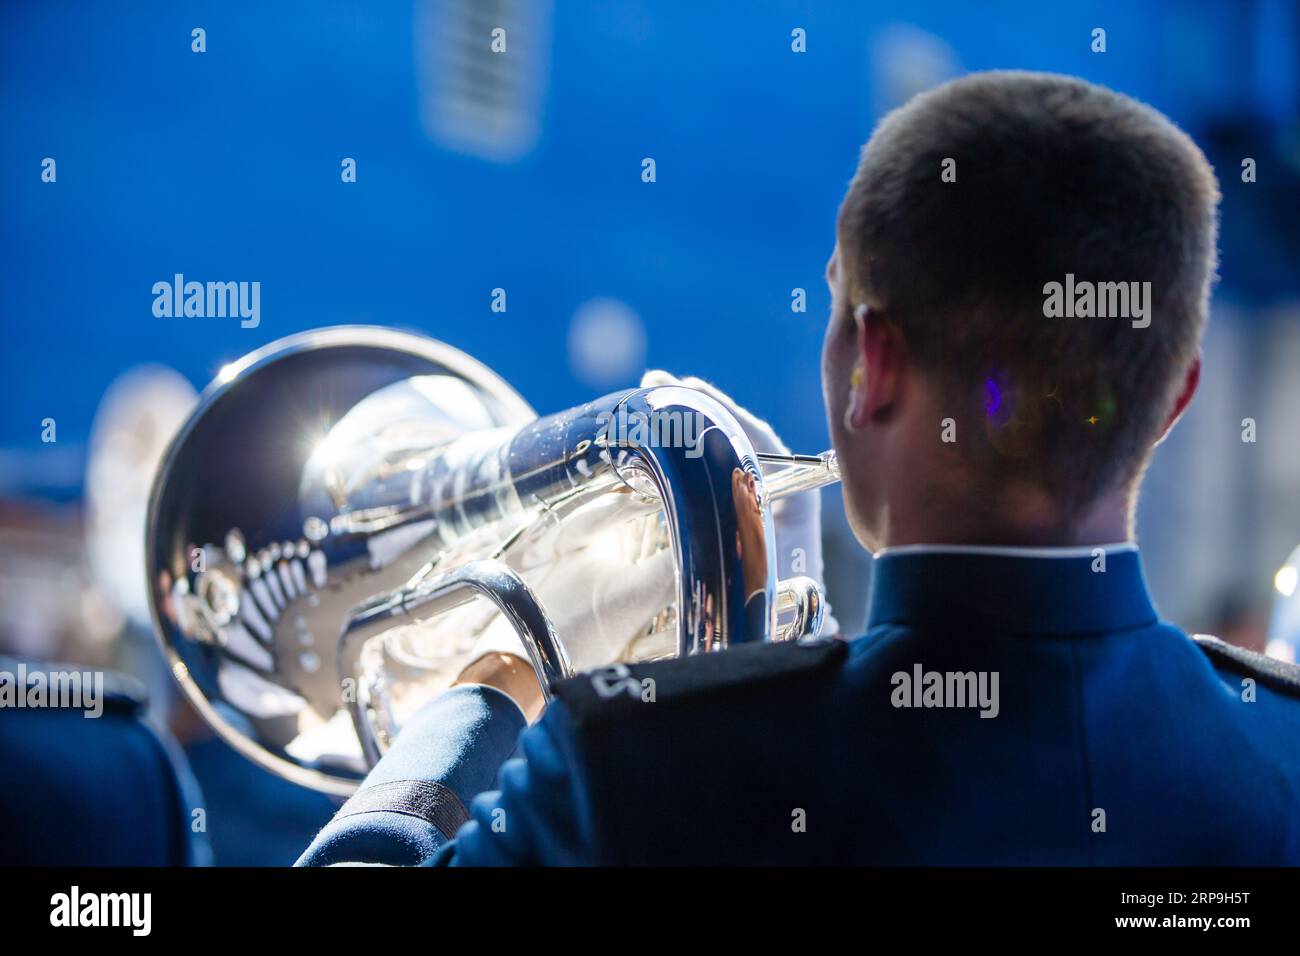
x: 785, y: 475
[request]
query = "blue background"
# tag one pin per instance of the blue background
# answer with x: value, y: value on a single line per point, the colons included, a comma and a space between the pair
x: 225, y: 165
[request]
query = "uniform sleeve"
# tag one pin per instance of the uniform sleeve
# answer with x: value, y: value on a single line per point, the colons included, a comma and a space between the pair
x: 541, y: 815
x: 416, y: 797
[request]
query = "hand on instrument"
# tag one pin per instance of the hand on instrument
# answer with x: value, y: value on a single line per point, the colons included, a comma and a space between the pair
x: 797, y: 518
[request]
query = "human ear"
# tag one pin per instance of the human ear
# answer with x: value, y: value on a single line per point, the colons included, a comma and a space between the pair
x: 877, y: 378
x: 1190, y: 381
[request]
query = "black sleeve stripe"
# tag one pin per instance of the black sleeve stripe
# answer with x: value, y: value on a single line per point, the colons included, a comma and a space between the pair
x: 431, y: 802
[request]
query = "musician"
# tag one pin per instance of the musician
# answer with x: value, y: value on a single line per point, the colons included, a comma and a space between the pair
x: 1015, y: 699
x: 88, y: 781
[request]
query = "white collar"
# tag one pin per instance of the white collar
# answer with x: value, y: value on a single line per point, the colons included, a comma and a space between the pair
x: 1084, y: 551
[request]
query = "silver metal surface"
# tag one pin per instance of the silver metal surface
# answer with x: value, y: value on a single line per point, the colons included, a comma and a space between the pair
x: 365, y: 484
x: 244, y: 463
x: 791, y: 474
x: 801, y: 597
x: 435, y: 595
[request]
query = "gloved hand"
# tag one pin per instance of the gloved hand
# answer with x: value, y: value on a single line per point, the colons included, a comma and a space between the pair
x: 797, y: 519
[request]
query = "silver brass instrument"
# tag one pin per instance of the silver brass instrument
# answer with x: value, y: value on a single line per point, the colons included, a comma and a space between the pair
x: 321, y: 525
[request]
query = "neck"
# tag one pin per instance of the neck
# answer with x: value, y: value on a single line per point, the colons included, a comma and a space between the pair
x: 1013, y: 516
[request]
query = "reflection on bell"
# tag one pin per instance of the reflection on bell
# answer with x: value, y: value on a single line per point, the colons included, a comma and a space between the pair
x: 382, y: 500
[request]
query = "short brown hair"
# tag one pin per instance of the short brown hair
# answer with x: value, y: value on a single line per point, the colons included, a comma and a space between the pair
x: 1049, y: 176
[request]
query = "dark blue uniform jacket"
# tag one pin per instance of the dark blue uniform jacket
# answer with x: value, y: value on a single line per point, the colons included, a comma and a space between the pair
x: 100, y: 790
x: 1001, y: 709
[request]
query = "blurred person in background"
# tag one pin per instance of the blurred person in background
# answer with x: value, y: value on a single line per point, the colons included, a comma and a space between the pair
x: 145, y: 782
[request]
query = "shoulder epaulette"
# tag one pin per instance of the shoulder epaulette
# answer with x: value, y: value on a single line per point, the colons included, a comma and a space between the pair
x: 625, y: 689
x: 1277, y: 675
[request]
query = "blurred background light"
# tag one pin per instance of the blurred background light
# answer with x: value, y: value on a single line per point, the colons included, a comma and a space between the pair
x: 607, y: 344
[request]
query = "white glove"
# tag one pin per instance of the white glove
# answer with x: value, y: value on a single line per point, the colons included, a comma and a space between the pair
x: 797, y: 518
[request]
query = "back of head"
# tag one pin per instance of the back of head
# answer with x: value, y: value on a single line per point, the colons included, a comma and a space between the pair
x: 980, y: 214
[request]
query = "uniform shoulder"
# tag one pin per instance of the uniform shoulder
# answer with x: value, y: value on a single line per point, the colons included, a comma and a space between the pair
x: 1277, y: 675
x: 620, y: 690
